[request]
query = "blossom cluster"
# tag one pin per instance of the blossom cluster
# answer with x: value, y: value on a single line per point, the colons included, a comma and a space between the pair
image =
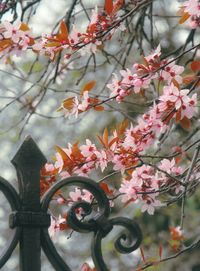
x: 73, y: 106
x: 141, y: 75
x: 123, y: 147
x: 191, y: 10
x: 173, y: 102
x: 5, y: 5
x: 14, y: 38
x: 145, y: 182
x: 88, y: 41
x: 122, y: 150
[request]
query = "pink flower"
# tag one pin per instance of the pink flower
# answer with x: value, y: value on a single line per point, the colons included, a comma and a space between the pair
x: 129, y: 141
x: 12, y: 31
x: 85, y: 169
x: 49, y: 167
x: 55, y: 225
x: 94, y: 16
x: 194, y: 22
x: 150, y: 204
x: 128, y: 190
x: 167, y: 165
x: 79, y: 195
x: 189, y: 109
x: 114, y: 86
x: 154, y: 55
x: 102, y: 159
x: 119, y: 161
x: 170, y: 167
x: 127, y: 76
x: 59, y: 162
x: 76, y: 195
x: 74, y: 110
x: 83, y: 105
x: 88, y: 149
x: 171, y: 72
x: 64, y: 174
x: 74, y: 36
x: 180, y: 100
x: 192, y: 7
x: 174, y: 95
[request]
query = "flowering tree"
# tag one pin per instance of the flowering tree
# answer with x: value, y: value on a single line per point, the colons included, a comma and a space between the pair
x: 129, y: 69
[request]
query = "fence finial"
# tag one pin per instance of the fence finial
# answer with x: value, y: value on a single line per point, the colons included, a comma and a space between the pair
x: 28, y: 154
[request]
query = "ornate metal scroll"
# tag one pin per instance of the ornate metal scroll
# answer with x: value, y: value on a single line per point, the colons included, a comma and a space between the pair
x: 30, y: 219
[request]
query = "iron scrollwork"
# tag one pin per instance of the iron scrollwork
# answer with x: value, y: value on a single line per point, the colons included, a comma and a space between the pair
x: 100, y: 223
x: 30, y: 219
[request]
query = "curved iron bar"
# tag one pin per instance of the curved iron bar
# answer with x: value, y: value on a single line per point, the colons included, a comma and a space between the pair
x: 14, y: 201
x: 103, y: 204
x: 134, y: 232
x: 99, y: 224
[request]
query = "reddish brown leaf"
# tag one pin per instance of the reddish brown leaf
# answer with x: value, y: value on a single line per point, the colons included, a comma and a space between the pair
x: 122, y: 127
x: 76, y: 153
x: 105, y: 137
x: 88, y: 86
x: 184, y: 18
x: 118, y: 5
x: 178, y: 115
x: 128, y: 202
x: 160, y: 251
x: 53, y: 44
x: 176, y: 84
x: 5, y: 44
x: 24, y: 27
x: 189, y: 79
x: 113, y: 141
x: 169, y: 117
x: 99, y: 108
x: 68, y: 103
x: 100, y: 140
x: 195, y: 66
x: 108, y: 7
x: 63, y: 154
x: 63, y: 31
x: 142, y: 254
x: 106, y: 189
x: 185, y: 123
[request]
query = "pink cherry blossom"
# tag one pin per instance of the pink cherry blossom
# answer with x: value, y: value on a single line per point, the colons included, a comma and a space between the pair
x: 12, y: 31
x: 150, y: 205
x: 49, y: 167
x: 84, y: 104
x: 180, y: 100
x: 192, y: 7
x: 85, y: 169
x: 102, y: 159
x: 88, y: 149
x: 129, y: 192
x: 154, y: 55
x: 171, y: 72
x: 79, y: 195
x: 114, y: 86
x: 55, y: 225
x: 59, y: 162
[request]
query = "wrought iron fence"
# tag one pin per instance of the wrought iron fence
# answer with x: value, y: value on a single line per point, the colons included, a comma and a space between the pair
x: 30, y: 219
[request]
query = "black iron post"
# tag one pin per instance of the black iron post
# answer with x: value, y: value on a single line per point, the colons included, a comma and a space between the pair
x: 28, y: 162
